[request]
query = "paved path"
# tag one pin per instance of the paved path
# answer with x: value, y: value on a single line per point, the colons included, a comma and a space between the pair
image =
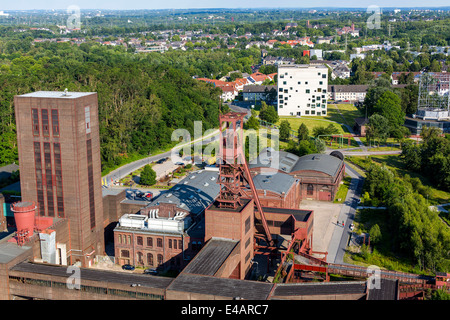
x: 340, y: 237
x: 123, y: 171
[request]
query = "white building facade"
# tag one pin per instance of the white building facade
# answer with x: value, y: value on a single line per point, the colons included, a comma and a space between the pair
x: 302, y: 90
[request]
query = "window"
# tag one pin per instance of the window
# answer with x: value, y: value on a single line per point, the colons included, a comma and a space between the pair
x: 129, y: 239
x: 284, y: 82
x: 307, y: 91
x: 175, y: 244
x: 170, y: 243
x: 324, y: 75
x: 140, y: 258
x: 180, y: 244
x: 125, y: 253
x: 90, y: 171
x: 139, y: 241
x: 49, y: 179
x: 307, y: 112
x: 160, y: 259
x: 119, y: 238
x: 35, y: 120
x: 45, y: 130
x: 247, y: 225
x: 149, y: 259
x: 149, y: 242
x: 159, y: 242
x: 58, y: 179
x: 55, y: 123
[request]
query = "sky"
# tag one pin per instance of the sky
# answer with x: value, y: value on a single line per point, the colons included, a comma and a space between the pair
x: 184, y: 4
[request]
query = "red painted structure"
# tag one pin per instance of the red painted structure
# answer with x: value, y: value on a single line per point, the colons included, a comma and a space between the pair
x: 233, y: 170
x: 24, y: 213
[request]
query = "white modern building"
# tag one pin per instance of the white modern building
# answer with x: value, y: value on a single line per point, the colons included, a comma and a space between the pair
x: 302, y: 90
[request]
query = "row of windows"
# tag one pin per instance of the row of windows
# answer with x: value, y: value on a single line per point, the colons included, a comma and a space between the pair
x: 45, y: 123
x: 172, y: 243
x: 90, y: 289
x: 150, y: 259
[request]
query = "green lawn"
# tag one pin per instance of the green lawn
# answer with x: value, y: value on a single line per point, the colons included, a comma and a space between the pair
x: 342, y: 191
x: 347, y: 115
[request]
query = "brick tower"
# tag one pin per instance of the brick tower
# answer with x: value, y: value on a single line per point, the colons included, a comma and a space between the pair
x: 59, y: 158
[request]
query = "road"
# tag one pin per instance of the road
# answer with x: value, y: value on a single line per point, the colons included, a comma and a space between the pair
x: 125, y: 170
x: 340, y: 237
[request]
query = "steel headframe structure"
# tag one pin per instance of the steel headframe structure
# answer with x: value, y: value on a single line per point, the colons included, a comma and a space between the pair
x: 434, y: 91
x: 234, y: 173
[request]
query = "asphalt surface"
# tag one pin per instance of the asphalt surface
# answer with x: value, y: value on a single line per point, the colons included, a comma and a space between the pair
x: 341, y: 234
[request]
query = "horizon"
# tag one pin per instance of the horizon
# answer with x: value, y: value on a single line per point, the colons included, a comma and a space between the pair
x: 118, y: 5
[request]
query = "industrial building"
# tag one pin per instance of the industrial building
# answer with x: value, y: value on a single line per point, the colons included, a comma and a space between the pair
x: 302, y: 90
x: 211, y: 226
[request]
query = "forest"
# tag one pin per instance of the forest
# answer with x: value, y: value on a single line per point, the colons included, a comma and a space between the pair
x: 141, y: 99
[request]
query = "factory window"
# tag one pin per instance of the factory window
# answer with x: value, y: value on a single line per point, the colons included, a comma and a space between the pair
x: 139, y: 241
x: 119, y: 238
x: 149, y: 259
x: 160, y: 259
x: 175, y: 244
x: 140, y: 258
x: 129, y: 239
x: 170, y: 243
x: 35, y: 119
x: 55, y: 122
x: 45, y: 130
x: 247, y: 225
x: 58, y: 180
x: 180, y: 244
x: 307, y: 91
x: 279, y: 90
x: 159, y: 242
x: 324, y: 75
x: 247, y: 257
x: 247, y: 243
x: 125, y: 254
x: 149, y: 296
x: 90, y: 170
x: 149, y: 242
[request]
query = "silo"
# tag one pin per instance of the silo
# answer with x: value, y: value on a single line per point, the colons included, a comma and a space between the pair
x: 24, y: 212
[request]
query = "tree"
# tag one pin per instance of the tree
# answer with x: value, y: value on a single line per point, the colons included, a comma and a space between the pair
x: 303, y: 132
x: 411, y: 156
x: 378, y: 128
x: 375, y: 234
x: 389, y: 106
x: 148, y: 176
x: 268, y: 113
x: 285, y: 130
x: 252, y: 123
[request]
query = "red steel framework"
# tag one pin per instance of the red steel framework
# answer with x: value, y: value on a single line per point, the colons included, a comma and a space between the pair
x: 233, y: 169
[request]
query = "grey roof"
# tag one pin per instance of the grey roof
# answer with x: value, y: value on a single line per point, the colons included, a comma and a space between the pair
x: 279, y: 182
x: 321, y: 288
x: 208, y: 261
x: 289, y: 163
x: 5, y: 172
x: 348, y: 88
x: 222, y: 287
x: 56, y: 94
x: 97, y: 275
x: 257, y: 89
x: 194, y: 193
x: 387, y: 290
x: 298, y: 214
x: 318, y: 162
x: 9, y: 251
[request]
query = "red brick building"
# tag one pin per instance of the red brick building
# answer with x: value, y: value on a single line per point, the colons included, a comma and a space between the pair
x: 318, y: 175
x: 59, y: 154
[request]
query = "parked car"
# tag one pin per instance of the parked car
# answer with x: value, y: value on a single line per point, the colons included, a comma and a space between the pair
x: 128, y: 267
x: 151, y: 271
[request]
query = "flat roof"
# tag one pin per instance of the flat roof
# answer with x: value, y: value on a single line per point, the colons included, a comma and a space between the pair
x: 321, y: 288
x: 212, y: 256
x: 299, y: 214
x: 56, y: 94
x: 223, y: 287
x: 10, y: 250
x: 144, y: 280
